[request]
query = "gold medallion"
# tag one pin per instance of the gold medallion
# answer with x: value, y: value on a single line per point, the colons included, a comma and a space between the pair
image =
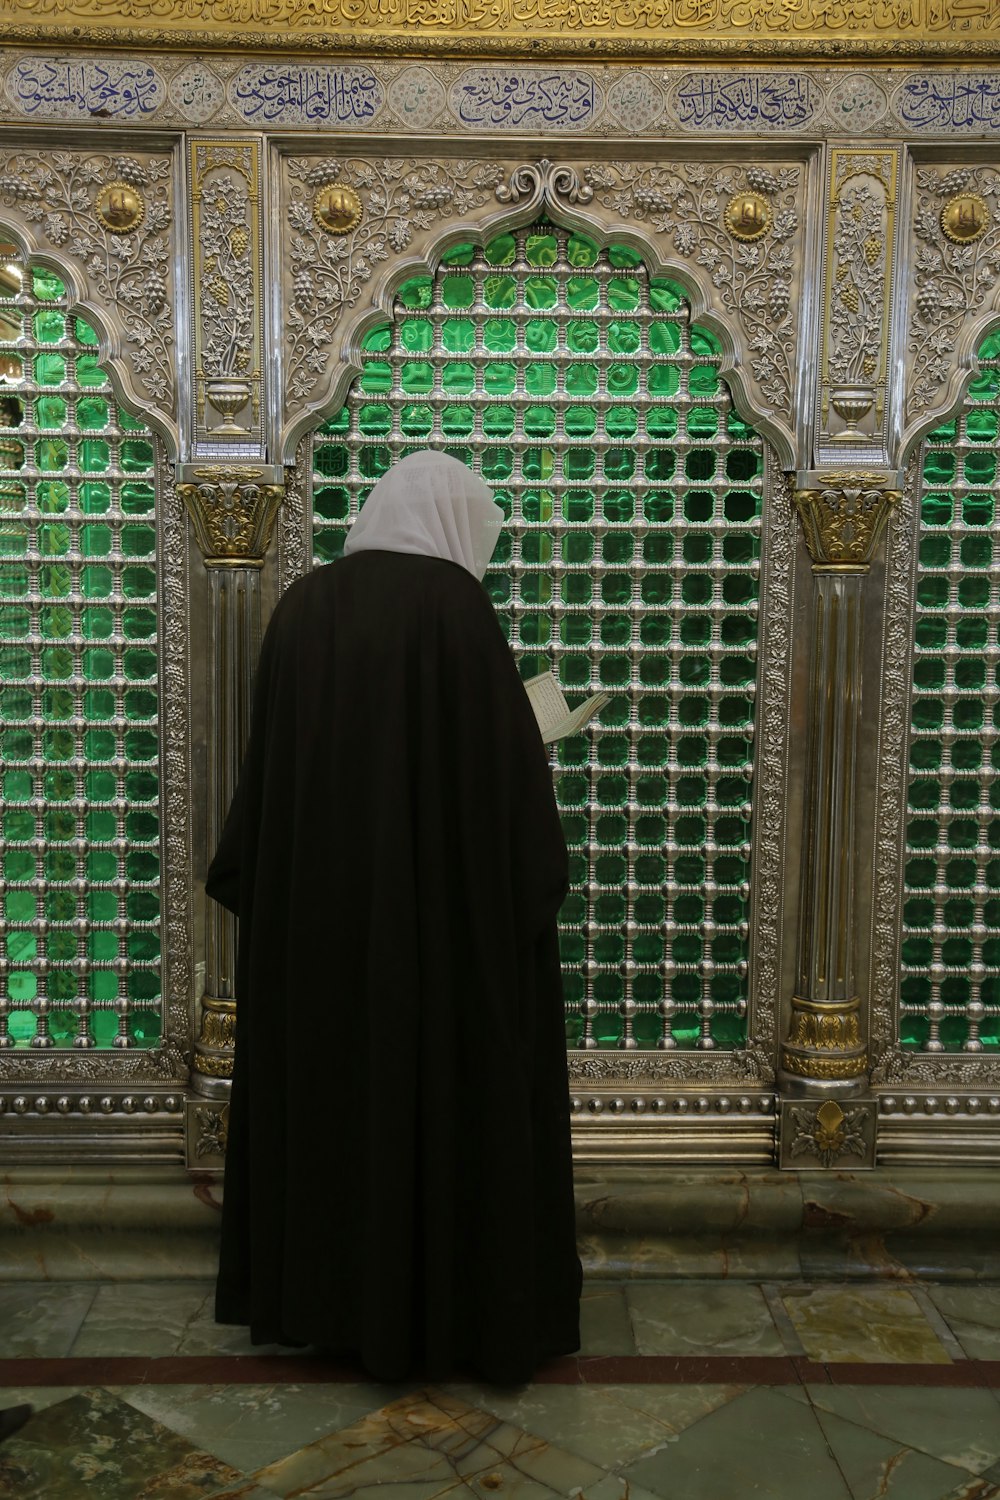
x: 748, y: 216
x: 337, y: 208
x: 119, y: 207
x: 965, y: 218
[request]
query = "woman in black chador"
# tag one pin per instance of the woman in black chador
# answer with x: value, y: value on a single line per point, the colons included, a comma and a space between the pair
x: 398, y: 1179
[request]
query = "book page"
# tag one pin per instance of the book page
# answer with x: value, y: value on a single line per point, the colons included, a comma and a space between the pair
x: 555, y: 718
x: 547, y: 702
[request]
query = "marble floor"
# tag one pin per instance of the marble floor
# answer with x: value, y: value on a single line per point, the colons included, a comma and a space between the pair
x: 684, y: 1390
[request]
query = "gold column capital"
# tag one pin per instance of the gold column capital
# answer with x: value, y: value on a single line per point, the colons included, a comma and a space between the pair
x: 233, y: 509
x: 825, y: 1040
x: 844, y: 513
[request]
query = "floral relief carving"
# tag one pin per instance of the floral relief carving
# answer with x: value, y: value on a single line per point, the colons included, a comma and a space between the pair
x: 227, y: 310
x: 862, y: 225
x: 225, y: 195
x: 686, y: 204
x: 950, y: 281
x: 402, y: 198
x: 130, y: 274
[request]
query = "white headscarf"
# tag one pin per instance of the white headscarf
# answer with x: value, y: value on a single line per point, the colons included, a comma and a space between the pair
x: 431, y: 504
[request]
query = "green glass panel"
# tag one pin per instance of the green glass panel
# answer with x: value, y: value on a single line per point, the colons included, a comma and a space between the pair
x: 415, y: 293
x: 458, y: 336
x: 501, y: 251
x: 582, y: 336
x: 49, y: 327
x: 378, y: 341
x: 50, y: 369
x: 583, y: 293
x: 92, y: 413
x: 88, y: 372
x: 456, y: 292
x: 457, y: 379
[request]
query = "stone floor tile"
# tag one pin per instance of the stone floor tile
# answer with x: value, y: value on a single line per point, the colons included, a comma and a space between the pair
x: 607, y: 1425
x: 876, y: 1468
x: 975, y: 1489
x: 761, y: 1444
x: 702, y: 1318
x: 40, y: 1320
x: 94, y: 1444
x: 973, y: 1315
x: 615, y: 1487
x: 605, y: 1325
x: 866, y: 1324
x: 141, y: 1317
x: 252, y: 1426
x: 961, y: 1427
x: 425, y: 1445
x: 38, y: 1396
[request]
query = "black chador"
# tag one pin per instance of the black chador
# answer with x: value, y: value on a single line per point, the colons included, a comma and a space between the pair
x: 398, y: 1178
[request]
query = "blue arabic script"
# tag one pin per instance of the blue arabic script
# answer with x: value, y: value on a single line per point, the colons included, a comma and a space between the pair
x: 720, y: 101
x: 43, y: 85
x: 502, y: 100
x: 965, y: 103
x: 298, y: 94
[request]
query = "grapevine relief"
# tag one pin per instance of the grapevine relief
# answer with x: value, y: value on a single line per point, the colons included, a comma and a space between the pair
x: 129, y: 272
x: 686, y: 204
x: 949, y: 282
x: 402, y: 199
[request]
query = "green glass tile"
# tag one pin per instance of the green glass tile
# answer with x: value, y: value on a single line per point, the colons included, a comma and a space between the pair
x: 581, y: 251
x: 92, y: 413
x: 416, y: 293
x: 49, y: 369
x: 500, y: 292
x: 499, y: 335
x: 52, y: 454
x: 89, y: 374
x: 541, y: 335
x: 501, y: 251
x: 621, y: 422
x: 624, y: 337
x: 456, y: 292
x: 541, y: 292
x: 583, y: 293
x: 980, y: 468
x: 49, y: 327
x: 50, y: 411
x: 582, y: 336
x: 457, y: 379
x: 377, y: 341
x: 458, y: 336
x: 95, y: 456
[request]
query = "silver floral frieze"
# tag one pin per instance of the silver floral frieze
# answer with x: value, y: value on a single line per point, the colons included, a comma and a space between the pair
x: 127, y: 276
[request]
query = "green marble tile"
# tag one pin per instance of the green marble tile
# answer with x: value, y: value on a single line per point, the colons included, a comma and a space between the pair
x: 38, y: 1396
x: 760, y: 1444
x: 39, y: 1320
x: 973, y: 1315
x: 702, y: 1318
x: 878, y: 1469
x: 867, y: 1324
x: 605, y: 1325
x: 975, y: 1489
x: 252, y: 1426
x: 429, y: 1444
x: 136, y: 1318
x: 94, y: 1444
x: 607, y: 1425
x: 961, y: 1427
x: 615, y: 1487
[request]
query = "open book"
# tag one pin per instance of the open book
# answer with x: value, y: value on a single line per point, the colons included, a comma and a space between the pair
x: 555, y: 717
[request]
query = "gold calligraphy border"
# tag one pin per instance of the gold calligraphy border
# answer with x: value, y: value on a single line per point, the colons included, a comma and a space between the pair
x: 901, y: 29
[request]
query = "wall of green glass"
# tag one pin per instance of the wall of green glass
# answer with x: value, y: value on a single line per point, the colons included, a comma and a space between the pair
x: 79, y: 742
x: 950, y: 990
x: 577, y: 385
